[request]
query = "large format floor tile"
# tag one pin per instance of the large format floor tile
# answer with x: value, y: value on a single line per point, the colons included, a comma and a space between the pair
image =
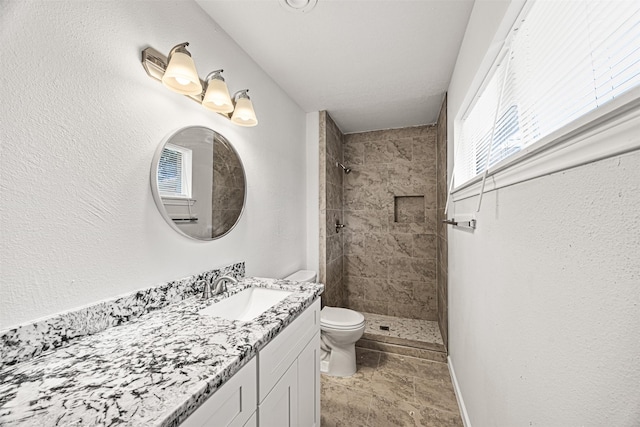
x: 390, y: 390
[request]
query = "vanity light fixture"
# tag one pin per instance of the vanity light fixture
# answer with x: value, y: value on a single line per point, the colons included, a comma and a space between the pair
x: 178, y: 73
x: 216, y: 97
x: 243, y: 114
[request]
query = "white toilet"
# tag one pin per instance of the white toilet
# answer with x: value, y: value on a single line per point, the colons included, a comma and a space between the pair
x: 340, y: 328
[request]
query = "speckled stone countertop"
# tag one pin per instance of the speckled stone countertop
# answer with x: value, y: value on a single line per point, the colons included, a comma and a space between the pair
x: 153, y: 370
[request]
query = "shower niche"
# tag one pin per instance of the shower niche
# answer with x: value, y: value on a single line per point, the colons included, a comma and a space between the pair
x: 408, y: 209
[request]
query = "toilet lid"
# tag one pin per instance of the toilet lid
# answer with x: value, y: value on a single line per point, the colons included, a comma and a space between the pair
x: 340, y: 317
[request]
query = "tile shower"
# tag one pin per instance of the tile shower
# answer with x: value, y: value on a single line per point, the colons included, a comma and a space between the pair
x: 388, y: 260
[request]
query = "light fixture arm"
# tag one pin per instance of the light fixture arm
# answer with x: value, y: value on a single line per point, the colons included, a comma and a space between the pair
x: 217, y: 74
x: 241, y: 94
x: 182, y: 48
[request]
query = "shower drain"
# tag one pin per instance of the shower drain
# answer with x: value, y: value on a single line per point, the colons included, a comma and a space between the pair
x: 384, y: 328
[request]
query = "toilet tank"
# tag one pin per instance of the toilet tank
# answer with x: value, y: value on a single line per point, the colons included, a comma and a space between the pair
x: 302, y: 276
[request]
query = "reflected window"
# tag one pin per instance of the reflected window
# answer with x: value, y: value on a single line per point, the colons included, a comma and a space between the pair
x: 174, y: 172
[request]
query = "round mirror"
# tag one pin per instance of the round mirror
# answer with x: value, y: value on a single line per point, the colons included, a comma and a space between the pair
x: 198, y: 183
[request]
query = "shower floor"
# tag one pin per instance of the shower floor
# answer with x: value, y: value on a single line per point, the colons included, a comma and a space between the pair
x: 409, y: 337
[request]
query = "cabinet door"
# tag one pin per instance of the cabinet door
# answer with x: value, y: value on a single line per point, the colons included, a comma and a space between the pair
x: 280, y: 407
x: 231, y: 405
x: 309, y: 384
x: 277, y: 356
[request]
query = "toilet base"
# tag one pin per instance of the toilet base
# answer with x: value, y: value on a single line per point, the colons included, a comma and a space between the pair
x: 339, y: 362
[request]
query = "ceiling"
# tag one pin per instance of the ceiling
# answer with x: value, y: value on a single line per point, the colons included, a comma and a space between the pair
x: 372, y: 64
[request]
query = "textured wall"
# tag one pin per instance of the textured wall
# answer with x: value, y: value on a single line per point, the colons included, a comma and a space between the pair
x: 544, y: 300
x: 80, y: 124
x: 331, y: 183
x: 390, y: 217
x: 442, y: 243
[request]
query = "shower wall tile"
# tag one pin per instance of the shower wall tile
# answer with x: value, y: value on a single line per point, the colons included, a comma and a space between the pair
x: 412, y: 175
x: 354, y: 243
x: 375, y: 306
x: 414, y: 311
x: 334, y: 196
x: 390, y: 266
x: 331, y: 217
x: 425, y: 292
x: 415, y: 269
x: 377, y: 152
x: 423, y: 132
x: 355, y: 286
x: 362, y: 221
x: 365, y: 266
x: 334, y: 173
x: 334, y: 247
x: 402, y: 149
x: 376, y: 290
x: 331, y: 198
x: 402, y: 291
x: 400, y: 244
x: 424, y: 246
x: 424, y: 150
x: 353, y: 151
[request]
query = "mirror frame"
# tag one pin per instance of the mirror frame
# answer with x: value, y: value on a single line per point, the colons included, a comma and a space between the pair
x: 156, y: 192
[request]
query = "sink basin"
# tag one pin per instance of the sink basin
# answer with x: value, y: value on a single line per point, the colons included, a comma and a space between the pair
x: 247, y: 304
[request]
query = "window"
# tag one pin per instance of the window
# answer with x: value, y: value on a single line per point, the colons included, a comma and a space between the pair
x: 174, y: 172
x: 561, y: 61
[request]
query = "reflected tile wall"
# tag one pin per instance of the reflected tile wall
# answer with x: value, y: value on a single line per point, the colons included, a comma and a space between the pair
x: 390, y: 266
x: 442, y: 242
x: 331, y: 195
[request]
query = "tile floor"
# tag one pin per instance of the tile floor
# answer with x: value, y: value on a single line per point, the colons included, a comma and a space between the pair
x: 390, y: 390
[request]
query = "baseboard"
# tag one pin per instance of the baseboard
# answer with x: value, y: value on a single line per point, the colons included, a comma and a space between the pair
x: 463, y: 409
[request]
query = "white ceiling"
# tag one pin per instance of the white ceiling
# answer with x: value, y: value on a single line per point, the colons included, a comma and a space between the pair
x: 373, y: 64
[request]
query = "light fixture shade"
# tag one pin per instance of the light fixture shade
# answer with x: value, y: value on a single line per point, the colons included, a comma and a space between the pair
x: 181, y: 75
x: 217, y: 97
x: 243, y: 115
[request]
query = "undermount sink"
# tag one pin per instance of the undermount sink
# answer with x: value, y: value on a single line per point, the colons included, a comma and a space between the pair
x: 247, y: 304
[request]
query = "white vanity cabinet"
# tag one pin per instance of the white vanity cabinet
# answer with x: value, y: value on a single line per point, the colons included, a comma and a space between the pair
x: 233, y: 405
x: 289, y: 374
x: 280, y: 387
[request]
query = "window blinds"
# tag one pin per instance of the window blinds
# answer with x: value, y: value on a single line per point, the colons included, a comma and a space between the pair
x: 170, y: 173
x: 565, y: 59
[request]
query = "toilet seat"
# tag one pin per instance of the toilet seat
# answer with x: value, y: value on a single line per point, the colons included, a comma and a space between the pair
x: 336, y: 318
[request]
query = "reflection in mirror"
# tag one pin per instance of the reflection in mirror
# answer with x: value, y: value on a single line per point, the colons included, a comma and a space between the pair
x: 198, y: 183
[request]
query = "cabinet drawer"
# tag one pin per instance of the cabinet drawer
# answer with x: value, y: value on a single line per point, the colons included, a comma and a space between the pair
x: 232, y: 404
x: 283, y: 350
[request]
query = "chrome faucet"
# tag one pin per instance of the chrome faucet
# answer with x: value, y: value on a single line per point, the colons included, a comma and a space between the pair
x: 206, y: 292
x: 220, y: 285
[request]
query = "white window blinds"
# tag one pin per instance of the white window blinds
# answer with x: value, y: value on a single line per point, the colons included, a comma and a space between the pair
x: 174, y: 172
x: 564, y: 59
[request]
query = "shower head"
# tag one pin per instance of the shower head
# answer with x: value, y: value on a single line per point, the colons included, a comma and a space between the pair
x: 345, y: 169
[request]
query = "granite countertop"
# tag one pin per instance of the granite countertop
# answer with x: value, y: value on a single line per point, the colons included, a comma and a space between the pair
x: 153, y: 370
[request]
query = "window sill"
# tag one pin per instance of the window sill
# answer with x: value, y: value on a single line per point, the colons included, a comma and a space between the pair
x: 578, y: 144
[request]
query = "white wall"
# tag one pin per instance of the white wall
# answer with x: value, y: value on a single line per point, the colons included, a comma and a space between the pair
x: 80, y: 123
x: 544, y: 297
